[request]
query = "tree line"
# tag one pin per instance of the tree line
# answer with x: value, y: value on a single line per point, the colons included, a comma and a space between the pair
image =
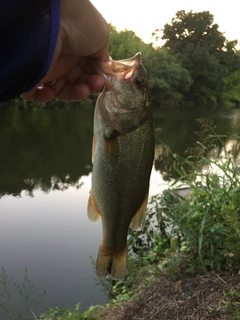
x: 196, y: 67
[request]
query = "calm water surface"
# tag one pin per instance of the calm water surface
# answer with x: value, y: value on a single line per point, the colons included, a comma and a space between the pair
x: 45, y: 173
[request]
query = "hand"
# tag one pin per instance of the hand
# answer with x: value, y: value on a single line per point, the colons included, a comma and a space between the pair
x: 83, y: 38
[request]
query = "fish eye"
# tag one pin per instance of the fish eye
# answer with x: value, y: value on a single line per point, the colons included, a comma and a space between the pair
x: 139, y: 82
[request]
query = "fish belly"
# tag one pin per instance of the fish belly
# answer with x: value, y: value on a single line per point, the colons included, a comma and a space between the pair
x: 120, y: 184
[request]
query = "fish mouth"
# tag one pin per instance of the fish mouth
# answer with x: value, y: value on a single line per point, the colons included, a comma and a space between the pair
x: 117, y: 70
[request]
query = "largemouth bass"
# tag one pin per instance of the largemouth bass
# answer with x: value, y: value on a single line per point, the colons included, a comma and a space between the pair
x: 123, y: 151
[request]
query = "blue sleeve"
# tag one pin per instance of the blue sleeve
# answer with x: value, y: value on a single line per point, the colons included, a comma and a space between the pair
x: 28, y: 37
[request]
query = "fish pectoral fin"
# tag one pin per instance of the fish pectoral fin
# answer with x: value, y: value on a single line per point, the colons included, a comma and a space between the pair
x: 93, y: 148
x: 93, y: 214
x: 137, y: 219
x: 111, y: 263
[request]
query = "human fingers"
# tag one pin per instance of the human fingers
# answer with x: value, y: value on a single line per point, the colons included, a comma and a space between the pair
x: 44, y: 93
x: 81, y: 90
x: 39, y: 95
x: 65, y: 90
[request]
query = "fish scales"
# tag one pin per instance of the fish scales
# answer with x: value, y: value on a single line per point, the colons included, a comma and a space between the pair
x: 129, y: 175
x: 123, y: 156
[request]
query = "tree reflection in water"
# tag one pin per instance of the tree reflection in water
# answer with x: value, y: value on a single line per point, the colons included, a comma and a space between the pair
x: 51, y: 149
x: 44, y: 149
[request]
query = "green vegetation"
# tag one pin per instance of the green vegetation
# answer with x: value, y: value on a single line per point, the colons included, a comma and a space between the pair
x: 66, y: 313
x: 196, y: 233
x: 18, y: 300
x: 196, y: 67
x: 209, y: 57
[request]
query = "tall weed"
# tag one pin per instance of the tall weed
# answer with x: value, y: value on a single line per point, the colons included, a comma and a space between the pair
x: 201, y: 228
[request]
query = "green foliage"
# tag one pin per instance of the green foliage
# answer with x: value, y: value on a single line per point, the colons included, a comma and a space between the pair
x: 232, y: 302
x: 18, y: 301
x: 232, y: 94
x: 149, y: 243
x: 128, y: 289
x: 120, y: 292
x: 199, y: 230
x: 206, y: 54
x: 196, y: 67
x: 195, y: 28
x: 166, y: 76
x: 57, y: 313
x: 204, y: 223
x: 197, y: 220
x: 125, y: 44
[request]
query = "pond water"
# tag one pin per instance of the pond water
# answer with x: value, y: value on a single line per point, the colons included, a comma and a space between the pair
x: 45, y: 178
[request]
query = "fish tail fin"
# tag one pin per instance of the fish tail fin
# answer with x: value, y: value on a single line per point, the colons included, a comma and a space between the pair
x: 111, y: 263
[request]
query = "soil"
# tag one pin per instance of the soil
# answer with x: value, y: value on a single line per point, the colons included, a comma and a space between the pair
x: 208, y: 296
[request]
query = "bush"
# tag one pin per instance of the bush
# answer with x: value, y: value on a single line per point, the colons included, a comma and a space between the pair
x: 201, y: 228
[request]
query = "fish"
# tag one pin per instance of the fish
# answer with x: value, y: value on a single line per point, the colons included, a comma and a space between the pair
x: 122, y: 156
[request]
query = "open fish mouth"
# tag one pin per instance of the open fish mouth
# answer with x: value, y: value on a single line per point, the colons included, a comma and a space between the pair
x: 121, y: 69
x: 122, y: 156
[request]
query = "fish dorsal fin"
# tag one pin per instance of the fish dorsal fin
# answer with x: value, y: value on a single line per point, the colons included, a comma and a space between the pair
x: 137, y: 219
x: 93, y: 214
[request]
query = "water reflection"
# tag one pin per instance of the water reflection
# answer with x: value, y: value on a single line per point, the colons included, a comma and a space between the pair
x: 47, y: 154
x: 45, y: 150
x: 51, y: 149
x: 210, y: 127
x: 51, y: 236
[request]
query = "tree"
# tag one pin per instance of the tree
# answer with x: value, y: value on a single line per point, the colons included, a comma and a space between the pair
x: 232, y: 95
x: 196, y: 28
x: 125, y: 44
x: 205, y: 52
x: 166, y: 76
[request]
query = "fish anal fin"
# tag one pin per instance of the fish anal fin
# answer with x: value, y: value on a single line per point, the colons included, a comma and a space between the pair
x: 111, y: 263
x: 93, y: 214
x: 137, y: 219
